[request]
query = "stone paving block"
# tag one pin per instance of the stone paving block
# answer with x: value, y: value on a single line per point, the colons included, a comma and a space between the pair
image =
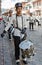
x: 7, y: 47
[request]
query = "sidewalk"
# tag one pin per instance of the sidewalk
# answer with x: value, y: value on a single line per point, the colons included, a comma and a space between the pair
x: 7, y: 47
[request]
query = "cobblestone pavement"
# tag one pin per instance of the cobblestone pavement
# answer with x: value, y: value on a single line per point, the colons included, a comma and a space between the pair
x: 36, y: 37
x: 7, y: 47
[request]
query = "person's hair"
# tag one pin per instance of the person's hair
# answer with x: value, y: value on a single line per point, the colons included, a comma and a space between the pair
x: 10, y: 11
x: 30, y: 14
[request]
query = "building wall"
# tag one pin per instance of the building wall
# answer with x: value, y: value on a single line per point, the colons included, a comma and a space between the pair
x: 26, y: 7
x: 37, y: 5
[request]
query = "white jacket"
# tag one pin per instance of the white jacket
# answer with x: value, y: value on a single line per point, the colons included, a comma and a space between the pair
x: 31, y: 19
x: 19, y: 19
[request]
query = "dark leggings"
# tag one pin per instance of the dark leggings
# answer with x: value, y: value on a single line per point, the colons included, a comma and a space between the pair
x: 17, y: 49
x: 31, y: 26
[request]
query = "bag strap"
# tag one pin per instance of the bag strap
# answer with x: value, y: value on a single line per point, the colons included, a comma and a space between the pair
x: 17, y: 21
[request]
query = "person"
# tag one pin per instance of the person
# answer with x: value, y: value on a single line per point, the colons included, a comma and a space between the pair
x: 9, y: 15
x: 5, y: 19
x: 38, y: 21
x: 19, y: 22
x: 31, y: 22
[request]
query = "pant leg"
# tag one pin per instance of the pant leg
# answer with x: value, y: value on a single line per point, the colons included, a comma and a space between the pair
x: 32, y: 26
x: 9, y: 35
x: 38, y: 22
x: 17, y: 49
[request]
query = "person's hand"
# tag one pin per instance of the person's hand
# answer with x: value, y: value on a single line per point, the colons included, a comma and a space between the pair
x: 23, y: 31
x: 2, y: 35
x: 4, y: 32
x: 25, y: 28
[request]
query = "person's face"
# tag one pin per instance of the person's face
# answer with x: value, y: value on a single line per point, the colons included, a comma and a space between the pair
x: 19, y: 10
x: 10, y: 13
